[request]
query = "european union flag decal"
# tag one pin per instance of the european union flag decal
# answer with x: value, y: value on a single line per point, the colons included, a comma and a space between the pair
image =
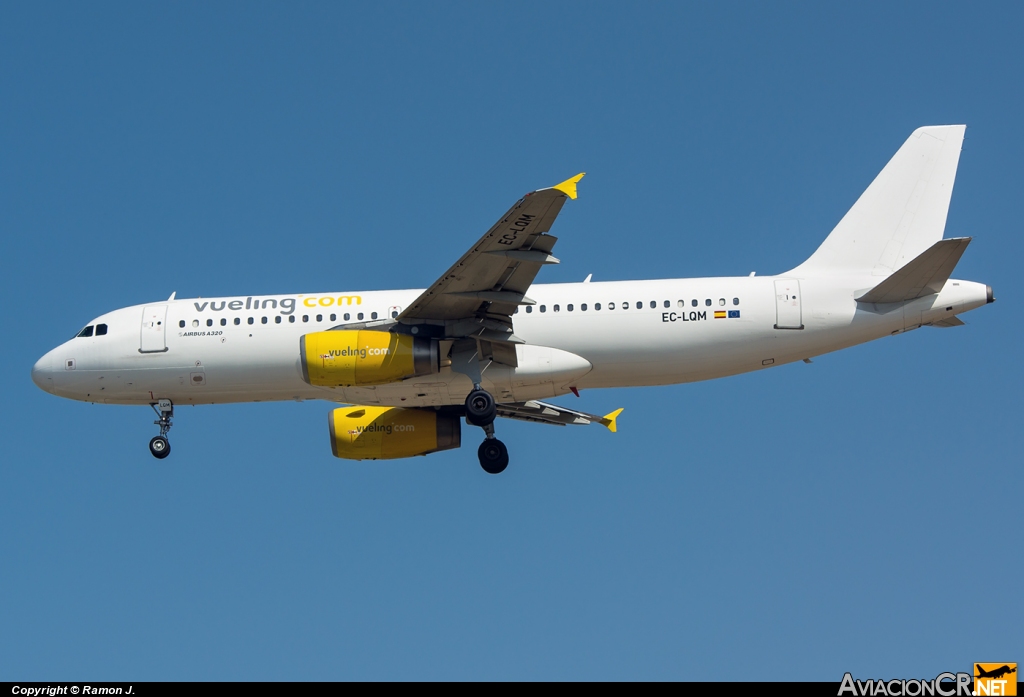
x: 734, y: 313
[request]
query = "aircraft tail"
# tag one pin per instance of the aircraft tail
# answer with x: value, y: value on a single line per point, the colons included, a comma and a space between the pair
x: 900, y: 215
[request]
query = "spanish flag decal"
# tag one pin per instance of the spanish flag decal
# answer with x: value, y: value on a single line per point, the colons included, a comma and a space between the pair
x: 720, y: 314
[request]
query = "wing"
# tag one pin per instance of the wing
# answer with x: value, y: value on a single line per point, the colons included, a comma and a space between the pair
x: 490, y: 281
x: 541, y: 412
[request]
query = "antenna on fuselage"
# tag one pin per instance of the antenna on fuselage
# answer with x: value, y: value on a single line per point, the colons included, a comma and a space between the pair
x: 172, y: 296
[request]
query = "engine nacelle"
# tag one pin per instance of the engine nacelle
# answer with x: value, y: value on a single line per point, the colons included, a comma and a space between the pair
x: 345, y: 358
x: 385, y: 433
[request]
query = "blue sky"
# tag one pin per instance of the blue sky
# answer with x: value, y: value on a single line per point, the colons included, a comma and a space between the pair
x: 856, y: 514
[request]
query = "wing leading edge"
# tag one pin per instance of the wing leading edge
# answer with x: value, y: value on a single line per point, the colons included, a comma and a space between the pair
x: 490, y: 281
x: 542, y: 412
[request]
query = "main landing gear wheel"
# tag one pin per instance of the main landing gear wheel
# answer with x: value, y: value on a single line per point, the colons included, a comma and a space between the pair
x: 480, y: 411
x: 480, y: 408
x: 160, y: 447
x: 493, y: 456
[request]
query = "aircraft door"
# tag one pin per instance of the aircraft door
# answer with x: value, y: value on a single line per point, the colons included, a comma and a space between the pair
x: 154, y: 328
x: 787, y: 305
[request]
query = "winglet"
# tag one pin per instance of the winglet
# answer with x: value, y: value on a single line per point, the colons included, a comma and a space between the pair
x: 568, y: 187
x: 609, y: 420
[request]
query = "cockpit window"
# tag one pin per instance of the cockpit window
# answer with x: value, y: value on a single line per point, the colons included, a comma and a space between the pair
x: 86, y: 332
x: 101, y: 329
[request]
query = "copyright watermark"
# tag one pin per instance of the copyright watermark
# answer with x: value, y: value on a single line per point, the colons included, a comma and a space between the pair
x: 54, y: 690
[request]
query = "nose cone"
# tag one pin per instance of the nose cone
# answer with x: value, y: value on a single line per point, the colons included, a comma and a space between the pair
x: 42, y: 373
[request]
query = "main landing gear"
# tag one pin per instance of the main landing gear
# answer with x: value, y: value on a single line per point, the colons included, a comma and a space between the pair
x: 160, y: 446
x: 480, y: 411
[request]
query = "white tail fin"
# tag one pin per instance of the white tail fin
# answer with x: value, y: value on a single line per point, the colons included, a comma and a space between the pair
x: 900, y: 215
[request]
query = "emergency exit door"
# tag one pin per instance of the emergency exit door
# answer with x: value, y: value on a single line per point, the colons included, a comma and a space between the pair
x: 787, y: 305
x: 154, y: 328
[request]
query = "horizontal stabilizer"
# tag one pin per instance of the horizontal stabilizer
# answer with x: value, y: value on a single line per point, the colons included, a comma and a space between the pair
x: 923, y: 275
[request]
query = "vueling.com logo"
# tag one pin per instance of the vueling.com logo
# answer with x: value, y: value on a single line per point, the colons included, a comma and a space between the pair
x: 383, y: 428
x: 357, y: 352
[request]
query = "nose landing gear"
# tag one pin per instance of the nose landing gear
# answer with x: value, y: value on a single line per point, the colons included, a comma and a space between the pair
x: 481, y: 410
x: 160, y: 446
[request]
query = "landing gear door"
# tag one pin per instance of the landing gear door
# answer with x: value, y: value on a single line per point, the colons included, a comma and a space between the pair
x: 787, y: 305
x: 154, y: 328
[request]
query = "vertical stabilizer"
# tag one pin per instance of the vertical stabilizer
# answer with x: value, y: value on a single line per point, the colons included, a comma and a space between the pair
x: 900, y: 215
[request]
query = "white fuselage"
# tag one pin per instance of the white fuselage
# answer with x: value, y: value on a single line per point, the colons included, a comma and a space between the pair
x: 207, y: 351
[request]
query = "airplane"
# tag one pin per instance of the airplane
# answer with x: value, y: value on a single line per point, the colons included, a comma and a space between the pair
x: 995, y: 673
x: 485, y: 341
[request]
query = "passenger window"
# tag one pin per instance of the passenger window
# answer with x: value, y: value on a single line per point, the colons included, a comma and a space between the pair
x: 305, y: 318
x: 359, y: 316
x: 708, y: 302
x: 181, y: 324
x: 681, y: 303
x: 347, y: 317
x: 611, y: 306
x: 543, y: 308
x: 694, y: 302
x: 333, y: 317
x: 394, y: 313
x: 529, y: 309
x: 625, y: 306
x: 373, y: 315
x: 654, y: 304
x: 721, y: 302
x: 223, y: 322
x: 597, y: 306
x: 277, y: 319
x: 639, y: 305
x: 263, y: 320
x: 319, y: 318
x: 583, y: 307
x: 555, y: 308
x: 735, y: 301
x: 238, y: 321
x: 668, y: 304
x: 569, y: 307
x: 291, y: 318
x: 209, y: 323
x: 195, y: 323
x: 250, y: 320
x: 86, y: 332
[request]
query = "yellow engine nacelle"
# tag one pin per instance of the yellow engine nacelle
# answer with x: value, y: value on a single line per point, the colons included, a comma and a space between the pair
x: 385, y: 433
x: 346, y: 358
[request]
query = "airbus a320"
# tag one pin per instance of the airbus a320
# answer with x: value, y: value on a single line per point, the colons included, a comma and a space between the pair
x: 485, y: 341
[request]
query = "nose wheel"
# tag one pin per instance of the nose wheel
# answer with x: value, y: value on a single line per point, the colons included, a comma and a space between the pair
x: 481, y: 409
x: 160, y: 447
